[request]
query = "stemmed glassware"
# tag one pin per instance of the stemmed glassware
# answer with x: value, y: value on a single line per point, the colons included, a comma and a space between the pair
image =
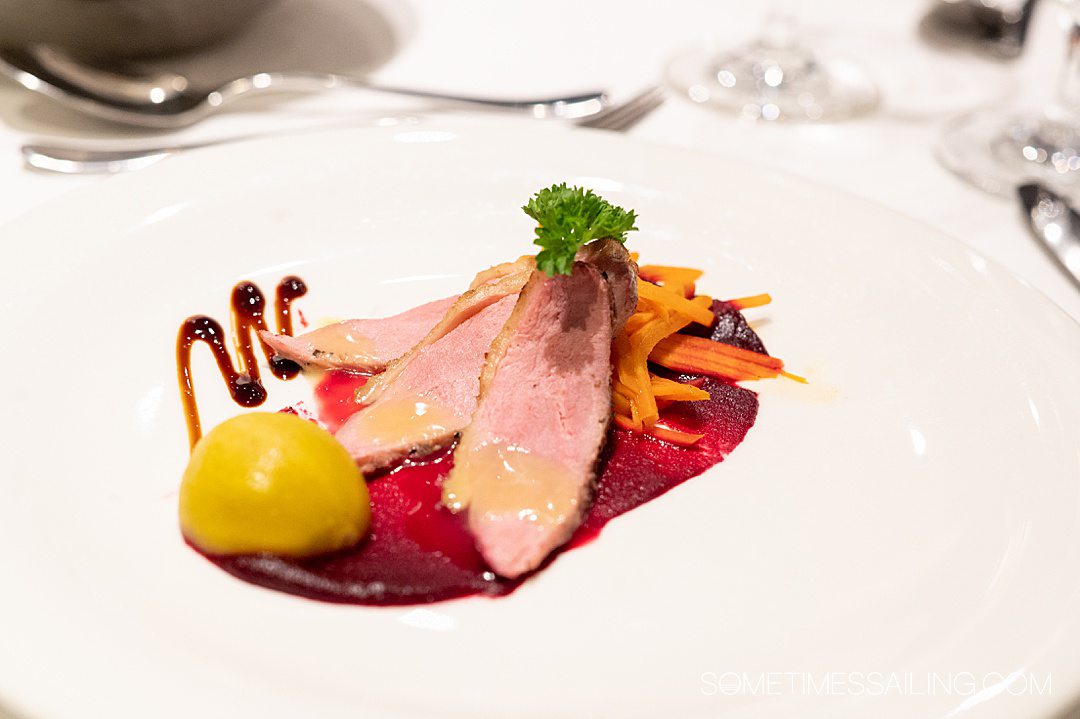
x: 998, y: 149
x: 778, y: 76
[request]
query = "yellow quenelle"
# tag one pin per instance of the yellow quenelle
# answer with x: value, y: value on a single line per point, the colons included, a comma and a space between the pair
x: 272, y: 482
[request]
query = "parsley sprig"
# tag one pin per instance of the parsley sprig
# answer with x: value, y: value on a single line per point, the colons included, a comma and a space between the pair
x: 570, y: 217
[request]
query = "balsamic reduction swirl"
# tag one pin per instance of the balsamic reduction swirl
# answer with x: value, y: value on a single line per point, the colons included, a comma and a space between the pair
x: 242, y: 378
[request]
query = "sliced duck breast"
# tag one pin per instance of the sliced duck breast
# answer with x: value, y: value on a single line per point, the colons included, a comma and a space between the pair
x: 621, y: 273
x: 426, y: 396
x: 431, y: 398
x: 485, y: 291
x: 525, y: 465
x: 361, y: 345
x: 369, y: 345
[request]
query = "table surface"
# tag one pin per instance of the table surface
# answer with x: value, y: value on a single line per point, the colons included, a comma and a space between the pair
x: 507, y: 48
x: 515, y: 48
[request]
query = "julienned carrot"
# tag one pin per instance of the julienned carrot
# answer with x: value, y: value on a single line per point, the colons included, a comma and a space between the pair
x: 667, y: 303
x: 688, y: 349
x: 632, y: 347
x: 669, y: 389
x: 794, y: 377
x: 683, y: 439
x: 684, y: 274
x: 675, y: 302
x: 745, y: 303
x: 680, y: 280
x: 699, y: 355
x: 704, y: 301
x: 711, y: 359
x: 661, y: 312
x: 675, y: 436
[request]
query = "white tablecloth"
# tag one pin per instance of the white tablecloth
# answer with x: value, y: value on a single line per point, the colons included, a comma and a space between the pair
x: 518, y: 47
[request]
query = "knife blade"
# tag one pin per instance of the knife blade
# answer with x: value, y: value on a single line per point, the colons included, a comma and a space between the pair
x: 1055, y: 224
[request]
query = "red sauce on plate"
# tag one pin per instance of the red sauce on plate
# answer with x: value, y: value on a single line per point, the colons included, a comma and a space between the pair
x: 419, y: 552
x: 335, y: 397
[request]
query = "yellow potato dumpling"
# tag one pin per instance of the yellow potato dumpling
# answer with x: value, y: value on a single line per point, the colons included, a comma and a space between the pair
x: 272, y: 482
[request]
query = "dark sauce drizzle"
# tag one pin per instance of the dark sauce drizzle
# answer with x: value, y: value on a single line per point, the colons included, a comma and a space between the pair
x: 242, y: 378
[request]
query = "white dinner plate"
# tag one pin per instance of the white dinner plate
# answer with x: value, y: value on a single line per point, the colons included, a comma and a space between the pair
x: 899, y: 538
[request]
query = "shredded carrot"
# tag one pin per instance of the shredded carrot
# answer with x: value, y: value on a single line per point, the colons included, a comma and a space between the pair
x: 675, y: 436
x: 631, y: 349
x: 667, y: 303
x: 669, y: 389
x: 795, y: 378
x: 745, y: 303
x: 663, y: 272
x: 694, y: 347
x: 699, y: 355
x: 680, y: 280
x: 676, y: 303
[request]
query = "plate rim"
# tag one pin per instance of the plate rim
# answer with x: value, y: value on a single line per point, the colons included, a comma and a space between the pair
x: 46, y: 212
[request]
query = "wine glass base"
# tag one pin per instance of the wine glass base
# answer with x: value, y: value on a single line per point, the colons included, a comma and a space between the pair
x: 777, y: 84
x: 997, y: 151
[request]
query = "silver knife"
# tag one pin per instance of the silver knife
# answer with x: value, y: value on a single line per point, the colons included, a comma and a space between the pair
x: 1056, y: 225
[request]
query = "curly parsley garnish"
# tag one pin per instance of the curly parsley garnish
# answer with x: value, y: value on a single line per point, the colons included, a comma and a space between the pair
x: 570, y: 217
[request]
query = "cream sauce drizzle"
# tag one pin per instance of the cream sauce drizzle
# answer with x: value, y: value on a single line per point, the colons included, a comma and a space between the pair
x: 410, y: 420
x: 346, y: 345
x: 500, y: 481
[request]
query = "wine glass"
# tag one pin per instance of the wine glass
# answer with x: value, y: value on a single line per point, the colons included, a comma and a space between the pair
x: 999, y: 149
x: 778, y: 76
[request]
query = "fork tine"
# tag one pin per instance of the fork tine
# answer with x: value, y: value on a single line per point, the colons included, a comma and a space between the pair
x: 625, y: 115
x: 614, y: 113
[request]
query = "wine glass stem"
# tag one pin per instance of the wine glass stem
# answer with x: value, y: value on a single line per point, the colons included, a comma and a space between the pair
x: 780, y: 30
x: 1068, y: 95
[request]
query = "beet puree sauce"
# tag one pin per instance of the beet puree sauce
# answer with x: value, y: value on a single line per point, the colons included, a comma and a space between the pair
x: 418, y: 551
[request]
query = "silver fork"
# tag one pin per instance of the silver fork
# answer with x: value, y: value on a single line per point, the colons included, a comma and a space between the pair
x: 623, y: 116
x: 90, y: 161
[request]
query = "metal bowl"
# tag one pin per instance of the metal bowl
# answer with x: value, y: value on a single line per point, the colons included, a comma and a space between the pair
x: 109, y: 29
